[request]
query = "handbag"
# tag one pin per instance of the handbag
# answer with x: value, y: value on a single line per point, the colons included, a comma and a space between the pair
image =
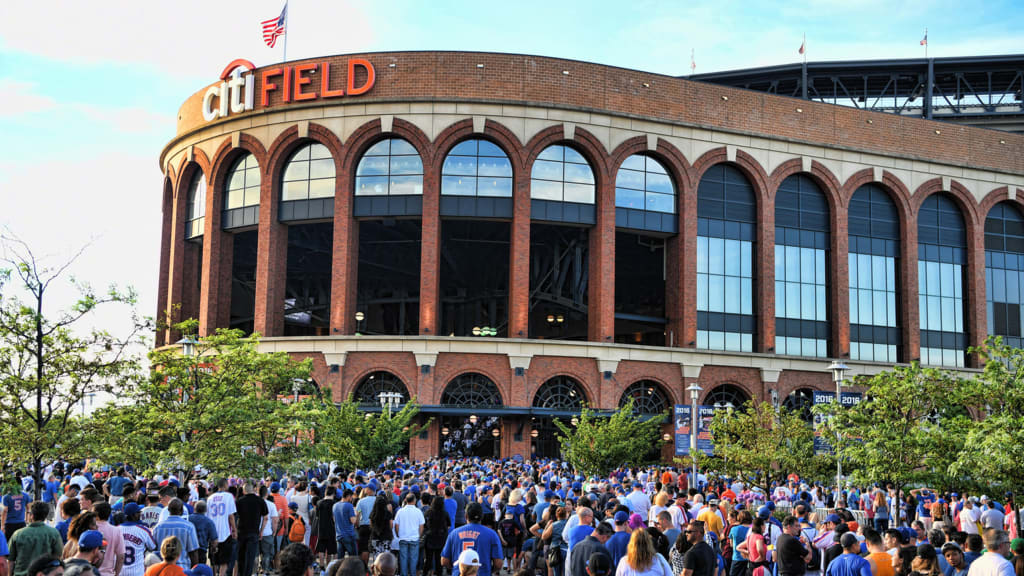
x: 554, y: 556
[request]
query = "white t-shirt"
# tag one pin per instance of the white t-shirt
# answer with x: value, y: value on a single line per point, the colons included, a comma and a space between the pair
x: 408, y: 522
x: 268, y: 529
x: 968, y: 519
x: 219, y: 506
x: 137, y: 541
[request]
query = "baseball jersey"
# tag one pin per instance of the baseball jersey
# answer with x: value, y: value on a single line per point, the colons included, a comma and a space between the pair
x: 137, y: 541
x: 219, y: 506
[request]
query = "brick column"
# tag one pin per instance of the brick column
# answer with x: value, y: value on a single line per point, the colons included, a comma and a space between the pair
x: 519, y: 259
x: 344, y: 258
x: 687, y: 261
x: 840, y: 277
x: 190, y: 296
x: 430, y: 256
x: 601, y: 280
x: 167, y: 218
x: 976, y: 321
x: 218, y: 254
x: 271, y: 263
x: 909, y: 316
x: 176, y: 258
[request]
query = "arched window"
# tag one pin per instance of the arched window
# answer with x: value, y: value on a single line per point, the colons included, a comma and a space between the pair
x: 471, y: 390
x: 196, y: 220
x: 648, y: 398
x: 644, y: 184
x: 942, y: 254
x: 308, y: 174
x: 372, y: 385
x: 562, y: 174
x: 726, y: 224
x: 477, y: 167
x: 560, y: 393
x: 390, y: 167
x: 874, y: 229
x: 726, y: 394
x: 800, y: 401
x: 1004, y: 273
x: 801, y: 268
x: 243, y: 184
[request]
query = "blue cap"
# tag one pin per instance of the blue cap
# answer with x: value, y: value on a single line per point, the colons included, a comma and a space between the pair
x: 576, y: 486
x: 833, y: 518
x: 771, y: 505
x: 199, y: 570
x: 764, y: 512
x: 131, y: 509
x: 293, y: 505
x: 637, y: 485
x: 621, y: 517
x: 275, y: 486
x: 91, y: 539
x: 415, y: 489
x: 954, y: 495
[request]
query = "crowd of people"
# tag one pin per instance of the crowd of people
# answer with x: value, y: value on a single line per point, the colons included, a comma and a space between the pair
x: 479, y: 517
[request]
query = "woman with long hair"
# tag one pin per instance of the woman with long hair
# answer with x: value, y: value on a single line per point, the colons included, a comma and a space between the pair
x: 435, y: 533
x: 678, y: 553
x: 79, y: 525
x: 881, y: 507
x: 381, y: 527
x: 641, y: 559
x: 170, y: 551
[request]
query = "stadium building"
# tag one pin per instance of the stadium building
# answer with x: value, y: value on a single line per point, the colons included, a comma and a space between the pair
x: 503, y: 237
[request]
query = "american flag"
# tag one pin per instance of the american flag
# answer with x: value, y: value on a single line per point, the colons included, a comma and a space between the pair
x: 274, y: 27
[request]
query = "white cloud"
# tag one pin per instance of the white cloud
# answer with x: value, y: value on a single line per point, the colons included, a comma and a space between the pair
x: 20, y: 99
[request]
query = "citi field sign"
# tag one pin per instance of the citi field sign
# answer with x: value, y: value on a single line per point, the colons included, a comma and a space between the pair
x: 236, y: 92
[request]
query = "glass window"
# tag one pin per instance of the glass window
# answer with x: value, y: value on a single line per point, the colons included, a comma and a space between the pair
x: 243, y: 184
x: 308, y: 174
x: 196, y: 206
x: 1004, y: 273
x: 644, y: 184
x: 942, y: 251
x: 562, y: 174
x: 390, y: 167
x: 874, y: 250
x: 726, y: 222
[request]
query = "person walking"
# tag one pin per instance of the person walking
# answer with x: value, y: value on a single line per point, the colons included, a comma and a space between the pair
x: 34, y: 540
x: 481, y: 539
x: 409, y: 523
x: 345, y: 525
x: 993, y: 562
x: 792, y: 549
x: 436, y: 533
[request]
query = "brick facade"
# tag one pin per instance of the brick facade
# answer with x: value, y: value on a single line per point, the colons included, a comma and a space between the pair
x: 637, y: 97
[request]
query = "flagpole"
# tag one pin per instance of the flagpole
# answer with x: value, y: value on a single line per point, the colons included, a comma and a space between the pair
x: 286, y: 26
x: 805, y: 48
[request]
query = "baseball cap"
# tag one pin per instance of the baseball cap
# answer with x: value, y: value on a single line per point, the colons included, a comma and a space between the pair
x: 764, y: 512
x: 199, y: 570
x: 293, y: 505
x: 951, y: 546
x: 849, y: 539
x: 91, y: 539
x: 131, y: 509
x: 469, y: 557
x: 621, y: 517
x: 275, y: 486
x: 833, y: 518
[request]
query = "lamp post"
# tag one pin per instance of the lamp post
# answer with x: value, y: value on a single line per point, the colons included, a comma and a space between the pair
x: 359, y: 320
x: 389, y: 401
x: 296, y: 386
x: 695, y: 391
x: 838, y: 375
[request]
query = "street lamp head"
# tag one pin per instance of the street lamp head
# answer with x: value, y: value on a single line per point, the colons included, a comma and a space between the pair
x: 838, y: 370
x: 476, y: 330
x: 575, y: 421
x: 666, y: 437
x: 495, y: 432
x: 444, y: 431
x: 360, y: 316
x: 534, y: 433
x: 472, y: 419
x: 695, y: 391
x: 188, y: 346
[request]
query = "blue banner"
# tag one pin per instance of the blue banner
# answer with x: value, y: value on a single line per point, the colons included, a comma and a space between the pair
x: 821, y: 445
x: 681, y: 423
x: 705, y: 414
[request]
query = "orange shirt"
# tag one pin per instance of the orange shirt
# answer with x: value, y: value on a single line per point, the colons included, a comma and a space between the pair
x: 165, y: 569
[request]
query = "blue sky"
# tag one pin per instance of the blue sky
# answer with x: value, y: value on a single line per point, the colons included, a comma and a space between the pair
x: 89, y: 91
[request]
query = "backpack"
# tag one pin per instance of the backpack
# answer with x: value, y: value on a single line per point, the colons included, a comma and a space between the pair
x: 509, y: 529
x: 814, y: 564
x: 297, y: 533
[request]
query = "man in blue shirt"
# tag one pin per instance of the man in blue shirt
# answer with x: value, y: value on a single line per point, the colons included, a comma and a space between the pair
x: 115, y: 485
x: 176, y: 525
x: 619, y: 542
x: 451, y: 506
x: 473, y: 536
x: 849, y: 563
x: 345, y: 524
x: 206, y: 530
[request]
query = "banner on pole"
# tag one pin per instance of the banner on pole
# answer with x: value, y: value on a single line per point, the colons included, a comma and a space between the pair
x: 705, y: 414
x: 821, y: 445
x: 682, y: 419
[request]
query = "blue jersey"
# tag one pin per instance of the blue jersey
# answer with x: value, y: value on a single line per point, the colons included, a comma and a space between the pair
x: 476, y: 537
x: 343, y: 515
x: 617, y: 545
x: 924, y: 503
x: 15, y: 505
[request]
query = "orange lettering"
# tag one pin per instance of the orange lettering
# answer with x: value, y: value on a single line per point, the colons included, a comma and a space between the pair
x: 370, y: 76
x: 325, y: 83
x: 268, y: 86
x: 300, y: 81
x: 286, y: 90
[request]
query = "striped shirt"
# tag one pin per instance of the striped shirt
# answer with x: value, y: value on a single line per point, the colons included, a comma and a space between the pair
x: 137, y: 541
x: 185, y: 532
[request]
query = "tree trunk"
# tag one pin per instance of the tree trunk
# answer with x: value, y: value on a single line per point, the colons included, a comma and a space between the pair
x: 1016, y: 514
x: 37, y: 479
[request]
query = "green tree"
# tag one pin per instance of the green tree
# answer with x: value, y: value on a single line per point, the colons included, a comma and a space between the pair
x: 357, y: 439
x: 993, y: 450
x: 599, y: 444
x: 758, y: 441
x: 220, y: 407
x: 51, y: 362
x: 896, y: 432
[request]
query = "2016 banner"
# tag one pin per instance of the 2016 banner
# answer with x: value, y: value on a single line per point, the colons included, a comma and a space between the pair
x: 683, y: 424
x: 821, y: 445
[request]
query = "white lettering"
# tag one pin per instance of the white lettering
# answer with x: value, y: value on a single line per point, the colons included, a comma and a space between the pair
x: 250, y: 90
x: 235, y: 87
x: 209, y: 112
x: 224, y: 99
